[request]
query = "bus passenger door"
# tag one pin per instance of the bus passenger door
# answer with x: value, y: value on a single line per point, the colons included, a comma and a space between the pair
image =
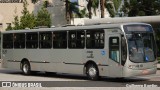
x: 115, y: 67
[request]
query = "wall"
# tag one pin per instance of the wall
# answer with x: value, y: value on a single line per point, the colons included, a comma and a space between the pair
x: 9, y: 10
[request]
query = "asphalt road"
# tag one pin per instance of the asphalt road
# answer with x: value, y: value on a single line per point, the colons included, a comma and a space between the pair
x: 76, y: 81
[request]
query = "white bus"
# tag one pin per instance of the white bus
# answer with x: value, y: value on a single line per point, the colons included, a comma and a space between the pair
x: 113, y: 50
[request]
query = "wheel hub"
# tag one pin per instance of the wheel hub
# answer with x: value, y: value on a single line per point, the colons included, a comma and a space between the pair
x: 25, y: 68
x: 92, y: 72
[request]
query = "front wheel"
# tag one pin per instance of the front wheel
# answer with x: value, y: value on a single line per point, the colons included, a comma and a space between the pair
x: 92, y: 72
x: 26, y: 68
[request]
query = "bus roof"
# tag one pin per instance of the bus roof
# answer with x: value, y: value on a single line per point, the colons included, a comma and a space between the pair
x: 100, y: 26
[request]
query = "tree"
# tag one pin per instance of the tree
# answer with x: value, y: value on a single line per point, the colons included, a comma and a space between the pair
x: 16, y: 23
x: 83, y: 13
x: 92, y: 4
x: 125, y: 8
x: 102, y: 2
x: 68, y: 18
x: 141, y: 7
x: 34, y: 1
x: 117, y: 3
x: 27, y: 20
x: 73, y: 10
x: 43, y: 17
x: 9, y: 27
x: 110, y: 7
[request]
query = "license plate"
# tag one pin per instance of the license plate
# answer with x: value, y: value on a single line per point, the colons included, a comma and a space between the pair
x: 145, y: 72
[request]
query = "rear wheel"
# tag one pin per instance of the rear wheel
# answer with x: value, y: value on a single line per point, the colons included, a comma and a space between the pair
x: 92, y: 72
x: 26, y: 68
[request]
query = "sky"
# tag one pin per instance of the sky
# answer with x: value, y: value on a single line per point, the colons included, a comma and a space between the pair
x: 73, y: 0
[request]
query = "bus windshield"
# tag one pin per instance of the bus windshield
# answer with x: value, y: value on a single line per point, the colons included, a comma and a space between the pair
x: 141, y: 47
x: 141, y: 43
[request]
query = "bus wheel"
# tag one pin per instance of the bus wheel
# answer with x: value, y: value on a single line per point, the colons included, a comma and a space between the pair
x: 26, y: 68
x: 92, y: 72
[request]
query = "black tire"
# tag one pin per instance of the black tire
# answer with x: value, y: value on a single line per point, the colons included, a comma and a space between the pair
x: 26, y: 68
x: 92, y: 72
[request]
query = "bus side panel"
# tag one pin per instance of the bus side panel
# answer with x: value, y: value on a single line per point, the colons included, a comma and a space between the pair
x: 98, y: 56
x: 7, y: 57
x: 38, y: 59
x: 67, y: 61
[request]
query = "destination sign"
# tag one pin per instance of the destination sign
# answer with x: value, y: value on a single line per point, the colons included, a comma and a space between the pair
x: 11, y: 1
x: 137, y: 28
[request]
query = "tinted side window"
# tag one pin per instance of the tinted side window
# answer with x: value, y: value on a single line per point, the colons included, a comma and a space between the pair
x: 45, y: 40
x: 60, y: 39
x: 7, y: 41
x: 32, y: 40
x: 19, y: 40
x: 95, y: 39
x: 76, y: 39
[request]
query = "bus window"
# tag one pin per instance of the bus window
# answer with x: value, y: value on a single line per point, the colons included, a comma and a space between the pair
x: 7, y: 41
x: 60, y: 39
x: 95, y: 39
x: 76, y: 39
x: 19, y: 40
x: 114, y: 48
x: 32, y: 40
x: 45, y: 40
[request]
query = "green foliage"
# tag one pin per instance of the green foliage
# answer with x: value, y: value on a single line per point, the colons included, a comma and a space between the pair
x: 141, y: 7
x: 28, y: 20
x: 110, y: 9
x: 125, y: 8
x: 25, y: 4
x: 9, y: 27
x: 92, y: 4
x: 45, y: 4
x: 73, y: 9
x: 95, y: 4
x: 16, y: 23
x: 141, y: 13
x: 117, y: 4
x: 75, y: 12
x: 34, y: 1
x: 83, y: 13
x: 43, y: 18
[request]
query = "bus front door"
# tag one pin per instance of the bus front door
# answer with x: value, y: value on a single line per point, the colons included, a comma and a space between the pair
x: 115, y: 67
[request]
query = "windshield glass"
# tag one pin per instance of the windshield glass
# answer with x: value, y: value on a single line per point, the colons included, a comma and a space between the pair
x: 141, y: 47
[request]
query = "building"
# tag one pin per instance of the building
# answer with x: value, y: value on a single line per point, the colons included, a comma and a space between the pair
x: 11, y: 8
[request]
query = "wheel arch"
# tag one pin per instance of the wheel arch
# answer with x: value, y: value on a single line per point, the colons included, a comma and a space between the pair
x: 87, y: 63
x: 23, y: 60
